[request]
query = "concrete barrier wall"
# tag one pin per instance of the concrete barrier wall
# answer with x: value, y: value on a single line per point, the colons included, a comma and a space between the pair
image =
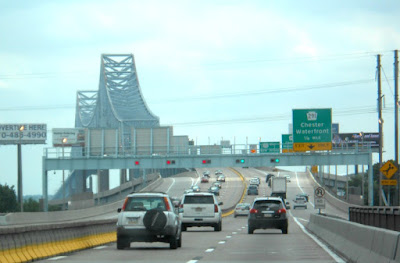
x: 27, y: 243
x: 69, y: 215
x: 356, y: 242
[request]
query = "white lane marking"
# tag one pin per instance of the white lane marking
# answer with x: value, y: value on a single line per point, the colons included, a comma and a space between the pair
x: 100, y: 247
x: 209, y: 250
x: 173, y: 182
x: 323, y: 246
x: 297, y: 179
x: 243, y: 227
x: 57, y: 258
x: 228, y: 236
x: 192, y: 261
x: 221, y: 242
x: 302, y: 219
x: 239, y: 229
x: 234, y: 233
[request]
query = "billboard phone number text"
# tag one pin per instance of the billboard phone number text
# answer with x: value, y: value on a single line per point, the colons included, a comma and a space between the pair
x: 22, y: 135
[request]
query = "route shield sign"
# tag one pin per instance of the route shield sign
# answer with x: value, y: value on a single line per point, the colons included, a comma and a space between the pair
x: 388, y: 169
x: 312, y: 130
x: 270, y: 147
x: 287, y: 143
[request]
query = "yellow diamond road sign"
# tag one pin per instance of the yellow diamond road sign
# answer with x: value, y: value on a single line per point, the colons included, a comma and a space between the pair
x: 388, y: 169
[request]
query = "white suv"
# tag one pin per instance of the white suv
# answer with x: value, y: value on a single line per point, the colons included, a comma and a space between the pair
x: 148, y: 217
x: 200, y: 209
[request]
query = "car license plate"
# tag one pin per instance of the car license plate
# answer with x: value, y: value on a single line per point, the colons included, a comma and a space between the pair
x: 199, y: 209
x: 133, y: 221
x: 267, y: 215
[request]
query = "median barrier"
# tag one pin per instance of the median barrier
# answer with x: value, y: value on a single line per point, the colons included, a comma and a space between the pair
x: 29, y: 218
x: 27, y: 243
x: 356, y: 242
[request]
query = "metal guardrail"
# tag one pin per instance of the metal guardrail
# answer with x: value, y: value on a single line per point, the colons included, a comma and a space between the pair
x: 378, y: 216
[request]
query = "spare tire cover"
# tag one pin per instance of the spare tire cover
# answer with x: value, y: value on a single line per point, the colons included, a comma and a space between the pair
x: 155, y: 220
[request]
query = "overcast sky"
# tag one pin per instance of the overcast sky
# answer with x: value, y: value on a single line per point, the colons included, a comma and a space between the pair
x: 213, y: 69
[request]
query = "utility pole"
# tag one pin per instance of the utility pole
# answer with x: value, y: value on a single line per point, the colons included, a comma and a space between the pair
x: 396, y: 122
x: 380, y: 120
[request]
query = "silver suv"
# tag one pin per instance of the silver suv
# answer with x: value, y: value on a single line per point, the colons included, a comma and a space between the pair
x: 200, y: 209
x: 148, y: 217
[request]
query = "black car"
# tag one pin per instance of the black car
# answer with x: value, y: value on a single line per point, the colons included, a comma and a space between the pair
x: 268, y: 212
x: 252, y: 189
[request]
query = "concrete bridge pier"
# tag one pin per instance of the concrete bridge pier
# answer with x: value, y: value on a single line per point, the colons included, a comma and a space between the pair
x: 103, y: 180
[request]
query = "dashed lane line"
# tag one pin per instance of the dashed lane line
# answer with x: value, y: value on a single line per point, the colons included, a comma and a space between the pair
x: 100, y: 247
x: 57, y: 258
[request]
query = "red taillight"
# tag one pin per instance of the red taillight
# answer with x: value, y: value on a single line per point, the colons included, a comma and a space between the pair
x: 167, y: 204
x: 124, y: 205
x: 282, y: 211
x: 253, y: 211
x: 215, y: 208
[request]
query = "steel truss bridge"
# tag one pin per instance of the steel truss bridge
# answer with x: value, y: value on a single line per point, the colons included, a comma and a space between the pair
x: 117, y: 104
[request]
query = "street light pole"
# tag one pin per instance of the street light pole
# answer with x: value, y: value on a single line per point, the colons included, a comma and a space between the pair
x: 20, y: 192
x: 64, y: 140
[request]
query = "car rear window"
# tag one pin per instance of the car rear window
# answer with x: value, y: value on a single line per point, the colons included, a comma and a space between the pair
x: 252, y: 187
x: 145, y: 203
x: 197, y: 199
x: 268, y: 205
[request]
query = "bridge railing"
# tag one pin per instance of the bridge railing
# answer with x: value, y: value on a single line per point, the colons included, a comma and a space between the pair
x: 378, y: 216
x: 145, y: 151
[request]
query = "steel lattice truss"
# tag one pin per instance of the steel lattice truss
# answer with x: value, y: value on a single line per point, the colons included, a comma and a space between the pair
x: 119, y: 100
x: 86, y: 102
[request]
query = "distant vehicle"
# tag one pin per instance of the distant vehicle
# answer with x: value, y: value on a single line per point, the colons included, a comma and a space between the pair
x: 204, y: 179
x: 218, y: 172
x: 200, y: 209
x: 252, y: 190
x: 278, y: 187
x: 306, y: 196
x: 268, y: 177
x: 267, y: 212
x: 217, y: 184
x: 221, y: 178
x: 288, y: 178
x: 300, y: 201
x: 242, y: 209
x: 206, y: 173
x: 214, y: 190
x: 196, y: 188
x: 148, y: 217
x: 255, y: 181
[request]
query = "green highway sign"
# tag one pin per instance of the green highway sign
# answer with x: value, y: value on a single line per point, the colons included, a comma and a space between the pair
x: 287, y: 143
x: 312, y: 129
x: 270, y: 147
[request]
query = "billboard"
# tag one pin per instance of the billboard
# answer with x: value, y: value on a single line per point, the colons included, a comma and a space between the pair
x: 23, y: 133
x: 366, y: 139
x: 73, y: 137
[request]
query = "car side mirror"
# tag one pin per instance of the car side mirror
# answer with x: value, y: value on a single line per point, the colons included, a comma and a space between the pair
x: 220, y: 203
x: 119, y: 210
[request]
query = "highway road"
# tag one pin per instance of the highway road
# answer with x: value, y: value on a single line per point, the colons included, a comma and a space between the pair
x: 232, y: 243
